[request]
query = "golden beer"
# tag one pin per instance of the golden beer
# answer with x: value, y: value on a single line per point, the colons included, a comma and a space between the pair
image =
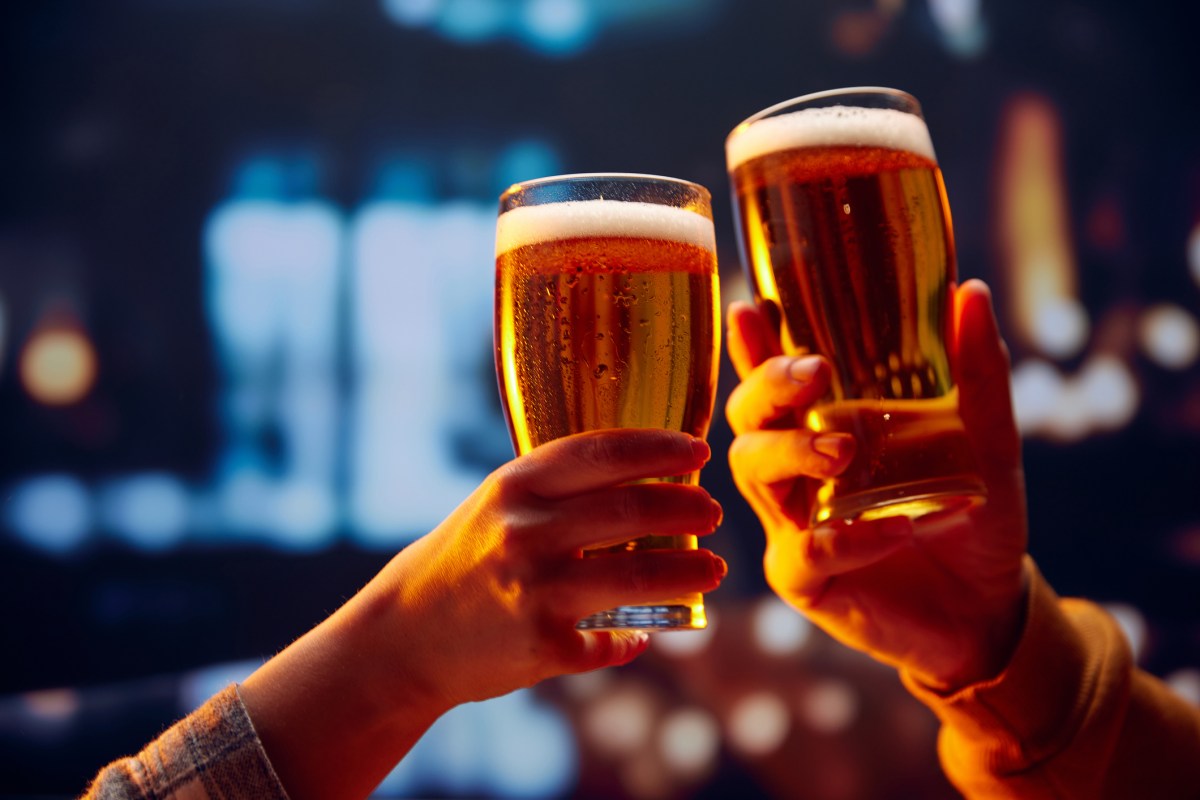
x: 607, y: 316
x: 845, y: 226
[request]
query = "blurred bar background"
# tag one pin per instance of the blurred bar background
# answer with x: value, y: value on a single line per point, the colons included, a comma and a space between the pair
x: 245, y: 348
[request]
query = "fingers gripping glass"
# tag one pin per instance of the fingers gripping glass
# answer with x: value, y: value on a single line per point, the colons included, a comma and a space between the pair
x: 845, y: 229
x: 607, y: 316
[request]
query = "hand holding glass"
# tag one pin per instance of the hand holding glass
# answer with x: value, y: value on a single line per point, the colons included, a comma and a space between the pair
x: 845, y: 228
x: 607, y: 316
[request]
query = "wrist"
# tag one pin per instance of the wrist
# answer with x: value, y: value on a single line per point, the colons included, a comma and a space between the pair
x: 989, y: 642
x: 334, y: 710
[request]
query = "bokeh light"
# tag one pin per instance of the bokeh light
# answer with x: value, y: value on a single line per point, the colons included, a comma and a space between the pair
x: 1132, y: 623
x: 1185, y: 683
x: 758, y: 724
x: 829, y: 706
x: 1060, y: 327
x: 689, y: 740
x: 620, y: 721
x: 686, y: 644
x: 778, y: 628
x: 58, y: 365
x: 149, y: 511
x: 51, y: 513
x: 1170, y: 336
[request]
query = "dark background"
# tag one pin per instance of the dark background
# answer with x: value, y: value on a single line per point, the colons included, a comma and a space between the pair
x: 124, y: 125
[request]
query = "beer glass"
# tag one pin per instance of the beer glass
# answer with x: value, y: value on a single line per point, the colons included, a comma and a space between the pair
x: 607, y: 316
x: 845, y: 231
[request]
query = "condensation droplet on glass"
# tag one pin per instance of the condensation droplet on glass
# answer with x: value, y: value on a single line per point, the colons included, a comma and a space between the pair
x: 600, y: 370
x: 846, y: 207
x: 887, y: 417
x: 599, y: 336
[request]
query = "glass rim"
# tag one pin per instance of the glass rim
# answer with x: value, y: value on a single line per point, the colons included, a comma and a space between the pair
x: 825, y: 94
x: 626, y: 177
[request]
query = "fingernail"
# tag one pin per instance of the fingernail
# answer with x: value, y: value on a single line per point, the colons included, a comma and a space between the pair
x: 803, y: 369
x: 833, y: 445
x: 701, y: 450
x: 720, y: 568
x: 718, y: 514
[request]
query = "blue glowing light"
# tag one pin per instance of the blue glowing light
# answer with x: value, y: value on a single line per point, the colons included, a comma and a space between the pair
x: 412, y: 13
x: 523, y: 160
x: 52, y: 513
x: 149, y: 511
x: 473, y: 21
x: 560, y: 27
x: 511, y: 746
x: 420, y: 311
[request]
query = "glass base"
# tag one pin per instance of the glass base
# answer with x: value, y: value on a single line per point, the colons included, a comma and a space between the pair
x: 650, y: 618
x: 911, y: 500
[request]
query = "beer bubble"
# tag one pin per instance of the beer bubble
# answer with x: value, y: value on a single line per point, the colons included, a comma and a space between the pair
x: 599, y: 335
x: 600, y: 370
x: 846, y: 208
x: 572, y: 281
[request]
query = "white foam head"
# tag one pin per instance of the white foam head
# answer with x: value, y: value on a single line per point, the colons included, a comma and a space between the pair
x: 578, y: 218
x: 832, y: 125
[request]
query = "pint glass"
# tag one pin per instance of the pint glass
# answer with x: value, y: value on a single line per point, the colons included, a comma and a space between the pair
x: 607, y: 316
x: 844, y: 227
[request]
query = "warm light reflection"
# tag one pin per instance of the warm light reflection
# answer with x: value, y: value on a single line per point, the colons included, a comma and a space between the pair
x: 689, y: 740
x: 1033, y: 231
x: 758, y: 724
x: 58, y: 365
x: 1170, y: 336
x: 620, y: 722
x: 1132, y: 623
x: 1102, y: 396
x: 778, y: 628
x: 685, y: 644
x: 1186, y: 683
x: 830, y: 706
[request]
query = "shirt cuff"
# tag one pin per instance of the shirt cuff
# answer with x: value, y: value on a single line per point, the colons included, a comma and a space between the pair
x: 1032, y: 710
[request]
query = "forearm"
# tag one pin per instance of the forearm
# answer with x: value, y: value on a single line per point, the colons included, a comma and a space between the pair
x: 1069, y: 718
x: 336, y: 710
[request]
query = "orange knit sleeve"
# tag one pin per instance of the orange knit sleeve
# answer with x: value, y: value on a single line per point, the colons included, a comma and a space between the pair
x: 1070, y: 716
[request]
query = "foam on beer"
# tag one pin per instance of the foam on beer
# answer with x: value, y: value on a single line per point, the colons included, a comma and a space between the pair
x: 581, y: 218
x: 834, y: 125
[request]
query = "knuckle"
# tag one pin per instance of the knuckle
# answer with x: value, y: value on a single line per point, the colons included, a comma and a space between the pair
x: 629, y: 504
x: 603, y: 451
x: 640, y: 575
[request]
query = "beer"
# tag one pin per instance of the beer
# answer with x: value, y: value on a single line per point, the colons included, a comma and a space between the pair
x: 607, y: 316
x: 845, y: 225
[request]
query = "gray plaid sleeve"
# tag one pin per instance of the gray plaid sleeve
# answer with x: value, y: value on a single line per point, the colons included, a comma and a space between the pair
x: 211, y: 754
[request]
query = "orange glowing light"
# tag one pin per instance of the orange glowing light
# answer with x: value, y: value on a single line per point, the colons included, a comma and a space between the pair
x: 58, y: 366
x: 1036, y: 253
